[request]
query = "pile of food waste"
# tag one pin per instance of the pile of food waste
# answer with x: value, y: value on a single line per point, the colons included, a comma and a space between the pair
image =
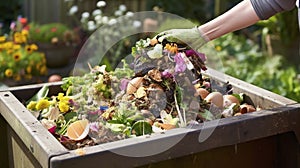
x: 163, y: 89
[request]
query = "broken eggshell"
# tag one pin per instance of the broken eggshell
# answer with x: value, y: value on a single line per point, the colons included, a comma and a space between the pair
x: 215, y: 98
x: 141, y: 92
x: 166, y: 126
x: 246, y: 108
x: 230, y: 99
x: 78, y: 130
x: 155, y: 75
x: 134, y: 84
x: 203, y: 93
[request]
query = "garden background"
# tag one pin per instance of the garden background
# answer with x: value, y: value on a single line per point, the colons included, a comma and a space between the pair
x: 266, y: 54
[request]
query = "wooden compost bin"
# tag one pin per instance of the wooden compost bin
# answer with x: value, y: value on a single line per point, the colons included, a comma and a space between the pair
x: 267, y: 138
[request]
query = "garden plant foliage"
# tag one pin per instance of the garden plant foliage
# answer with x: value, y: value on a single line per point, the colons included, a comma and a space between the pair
x: 243, y: 59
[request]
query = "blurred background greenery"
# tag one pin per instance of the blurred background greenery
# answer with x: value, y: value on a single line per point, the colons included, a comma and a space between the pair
x: 265, y: 54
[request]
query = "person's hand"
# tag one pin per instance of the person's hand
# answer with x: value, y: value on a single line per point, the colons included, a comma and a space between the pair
x: 191, y: 37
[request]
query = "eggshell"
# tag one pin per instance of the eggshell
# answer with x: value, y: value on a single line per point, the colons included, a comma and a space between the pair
x: 155, y: 75
x: 215, y: 98
x: 247, y: 108
x: 78, y: 130
x: 166, y: 126
x: 202, y: 93
x: 230, y: 99
x: 141, y: 92
x: 133, y: 85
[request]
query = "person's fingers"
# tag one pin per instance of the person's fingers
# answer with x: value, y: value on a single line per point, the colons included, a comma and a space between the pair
x: 167, y: 32
x: 168, y: 37
x: 172, y: 35
x: 175, y: 38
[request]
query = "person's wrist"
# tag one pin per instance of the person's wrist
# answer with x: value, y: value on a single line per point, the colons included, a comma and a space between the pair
x: 202, y: 34
x: 199, y: 39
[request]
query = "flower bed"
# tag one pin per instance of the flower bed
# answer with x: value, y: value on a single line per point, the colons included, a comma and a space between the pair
x: 20, y: 60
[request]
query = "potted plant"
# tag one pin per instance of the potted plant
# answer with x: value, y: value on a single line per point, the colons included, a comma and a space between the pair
x: 57, y: 40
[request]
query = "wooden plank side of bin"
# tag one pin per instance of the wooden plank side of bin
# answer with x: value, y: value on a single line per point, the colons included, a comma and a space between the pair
x: 25, y: 92
x: 278, y: 151
x: 229, y: 131
x: 19, y: 154
x: 37, y: 140
x: 4, y: 160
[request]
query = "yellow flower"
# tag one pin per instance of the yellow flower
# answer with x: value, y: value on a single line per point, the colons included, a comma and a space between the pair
x: 16, y: 47
x: 60, y: 96
x: 218, y: 48
x: 2, y: 38
x: 31, y: 105
x: 20, y: 37
x: 28, y: 69
x: 63, y: 106
x: 24, y: 32
x: 8, y: 72
x: 8, y: 45
x: 17, y: 37
x: 17, y: 56
x: 43, y: 58
x: 1, y: 47
x: 43, y: 70
x: 28, y: 48
x: 17, y: 77
x: 38, y: 65
x: 65, y: 99
x: 33, y: 47
x: 42, y: 104
x: 172, y: 48
x: 24, y: 39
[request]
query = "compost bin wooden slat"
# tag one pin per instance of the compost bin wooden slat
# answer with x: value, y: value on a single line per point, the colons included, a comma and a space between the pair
x: 36, y: 138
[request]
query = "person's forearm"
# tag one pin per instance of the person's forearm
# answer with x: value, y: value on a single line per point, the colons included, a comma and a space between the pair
x: 240, y: 16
